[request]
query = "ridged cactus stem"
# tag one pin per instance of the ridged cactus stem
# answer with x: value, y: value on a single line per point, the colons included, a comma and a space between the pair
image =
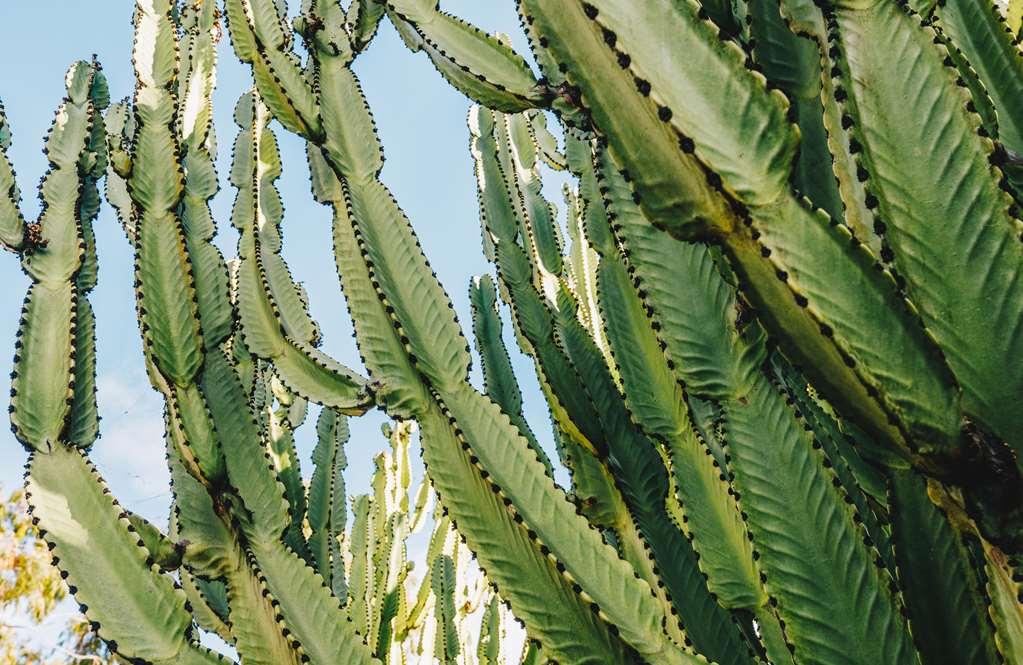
x: 107, y: 564
x: 589, y: 398
x: 456, y: 421
x: 818, y: 289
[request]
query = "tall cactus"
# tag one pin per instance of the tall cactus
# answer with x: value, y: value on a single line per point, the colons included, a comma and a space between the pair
x: 775, y: 333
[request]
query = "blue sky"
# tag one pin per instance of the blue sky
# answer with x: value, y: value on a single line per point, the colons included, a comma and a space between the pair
x: 422, y: 124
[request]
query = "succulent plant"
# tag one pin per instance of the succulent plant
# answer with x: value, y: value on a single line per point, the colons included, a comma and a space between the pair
x: 776, y: 334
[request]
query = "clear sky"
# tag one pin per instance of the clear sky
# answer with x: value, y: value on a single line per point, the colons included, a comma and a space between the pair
x: 422, y: 124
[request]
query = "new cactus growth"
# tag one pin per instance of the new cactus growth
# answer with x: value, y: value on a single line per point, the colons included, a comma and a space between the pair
x: 777, y: 332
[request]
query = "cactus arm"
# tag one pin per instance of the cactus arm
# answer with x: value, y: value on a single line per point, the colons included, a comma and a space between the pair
x: 46, y: 382
x: 216, y: 550
x: 512, y: 466
x: 850, y: 324
x: 1004, y: 590
x: 417, y: 612
x: 160, y: 548
x: 419, y: 304
x: 261, y: 40
x: 581, y: 271
x: 488, y: 645
x: 535, y: 214
x: 110, y: 570
x: 681, y: 333
x: 979, y: 31
x: 167, y: 300
x: 605, y: 421
x: 338, y: 518
x: 401, y: 392
x: 275, y: 321
x: 852, y: 320
x: 196, y: 80
x: 641, y: 140
x: 362, y: 20
x: 41, y: 389
x: 166, y: 297
x: 752, y: 151
x: 742, y: 391
x: 120, y: 125
x: 248, y: 467
x: 259, y: 631
x: 360, y: 568
x: 83, y: 420
x: 1014, y: 18
x: 546, y: 143
x: 941, y: 586
x: 482, y: 67
x: 531, y: 317
x: 656, y: 402
x: 851, y: 470
x: 326, y: 512
x: 12, y: 222
x: 507, y: 556
x: 401, y: 269
x: 279, y: 439
x: 974, y: 212
x: 794, y: 64
x: 646, y: 485
x: 285, y: 577
x: 311, y: 614
x: 498, y: 377
x: 442, y: 582
x: 808, y: 21
x: 201, y: 598
x: 875, y: 631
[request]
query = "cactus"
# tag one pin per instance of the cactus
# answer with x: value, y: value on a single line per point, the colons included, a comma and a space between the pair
x: 775, y: 334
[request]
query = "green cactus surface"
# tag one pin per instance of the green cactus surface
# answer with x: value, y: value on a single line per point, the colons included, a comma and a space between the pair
x: 776, y: 319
